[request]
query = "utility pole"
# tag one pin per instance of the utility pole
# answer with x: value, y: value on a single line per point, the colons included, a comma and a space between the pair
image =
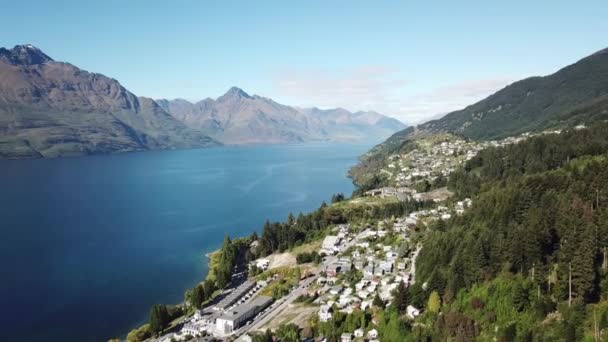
x: 533, y: 271
x: 569, y: 284
x: 596, y: 332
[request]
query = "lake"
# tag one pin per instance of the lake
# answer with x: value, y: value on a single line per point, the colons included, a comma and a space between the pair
x: 89, y: 244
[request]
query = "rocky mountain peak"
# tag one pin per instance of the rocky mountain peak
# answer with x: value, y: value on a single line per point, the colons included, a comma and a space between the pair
x: 601, y: 52
x: 234, y: 92
x: 24, y: 55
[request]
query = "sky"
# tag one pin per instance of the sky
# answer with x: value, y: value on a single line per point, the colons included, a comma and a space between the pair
x: 412, y: 60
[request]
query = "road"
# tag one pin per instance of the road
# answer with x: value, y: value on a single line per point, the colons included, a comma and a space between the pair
x: 278, y: 307
x: 413, y: 269
x: 284, y: 302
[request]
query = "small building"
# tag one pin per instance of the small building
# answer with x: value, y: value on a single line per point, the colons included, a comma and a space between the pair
x: 336, y: 290
x: 346, y: 337
x: 372, y: 334
x: 333, y: 269
x: 325, y: 313
x: 412, y: 312
x: 235, y: 318
x: 330, y: 244
x: 386, y: 266
x: 262, y: 264
x: 193, y: 329
x: 358, y: 265
x: 368, y: 270
x: 359, y: 333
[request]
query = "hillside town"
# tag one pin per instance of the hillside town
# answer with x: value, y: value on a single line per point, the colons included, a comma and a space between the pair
x: 432, y: 161
x: 359, y: 267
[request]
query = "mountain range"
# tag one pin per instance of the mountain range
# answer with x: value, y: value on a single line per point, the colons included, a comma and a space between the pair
x: 50, y: 108
x: 239, y: 118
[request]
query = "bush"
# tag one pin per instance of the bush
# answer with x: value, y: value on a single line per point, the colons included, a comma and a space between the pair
x: 140, y: 334
x: 303, y: 258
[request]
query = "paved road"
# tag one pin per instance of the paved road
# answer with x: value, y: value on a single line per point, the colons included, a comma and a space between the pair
x: 284, y: 302
x: 413, y: 269
x: 279, y: 306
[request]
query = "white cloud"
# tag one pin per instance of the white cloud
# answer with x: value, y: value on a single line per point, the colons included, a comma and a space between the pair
x: 382, y: 89
x: 356, y: 87
x: 435, y: 103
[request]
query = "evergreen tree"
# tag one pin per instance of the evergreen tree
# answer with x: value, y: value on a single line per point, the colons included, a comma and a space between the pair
x: 401, y: 298
x: 198, y: 296
x: 159, y: 318
x: 378, y: 302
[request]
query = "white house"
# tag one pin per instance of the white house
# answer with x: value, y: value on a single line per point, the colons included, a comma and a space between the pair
x: 325, y: 313
x: 412, y: 312
x: 346, y: 337
x: 372, y: 334
x: 366, y: 304
x: 193, y: 329
x: 262, y: 264
x: 330, y: 244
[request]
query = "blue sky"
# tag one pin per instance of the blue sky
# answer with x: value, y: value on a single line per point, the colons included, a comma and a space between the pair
x: 406, y: 59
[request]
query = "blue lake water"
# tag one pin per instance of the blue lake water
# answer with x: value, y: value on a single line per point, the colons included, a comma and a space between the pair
x: 89, y: 244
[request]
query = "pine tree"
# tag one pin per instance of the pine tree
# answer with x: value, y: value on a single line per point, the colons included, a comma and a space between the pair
x: 378, y: 302
x: 159, y: 318
x: 198, y: 296
x: 401, y: 298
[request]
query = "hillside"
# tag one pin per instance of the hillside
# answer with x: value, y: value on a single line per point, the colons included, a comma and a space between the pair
x: 239, y: 118
x: 573, y: 94
x: 539, y: 213
x: 51, y: 109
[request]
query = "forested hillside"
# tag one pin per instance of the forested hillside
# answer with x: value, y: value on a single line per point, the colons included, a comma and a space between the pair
x: 574, y: 95
x: 531, y: 253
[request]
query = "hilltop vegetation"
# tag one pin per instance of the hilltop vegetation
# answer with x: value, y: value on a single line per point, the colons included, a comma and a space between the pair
x: 574, y: 95
x: 540, y: 217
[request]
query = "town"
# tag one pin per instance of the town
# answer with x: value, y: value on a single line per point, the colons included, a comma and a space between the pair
x: 355, y: 267
x: 412, y: 173
x: 359, y: 267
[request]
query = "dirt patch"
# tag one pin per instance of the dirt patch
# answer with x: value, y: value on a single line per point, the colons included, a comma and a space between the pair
x: 440, y: 194
x: 281, y: 260
x: 298, y: 314
x: 314, y: 246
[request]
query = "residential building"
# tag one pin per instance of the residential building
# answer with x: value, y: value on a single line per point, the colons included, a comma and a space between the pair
x: 235, y: 318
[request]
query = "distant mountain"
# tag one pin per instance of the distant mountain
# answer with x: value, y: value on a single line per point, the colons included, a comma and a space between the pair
x: 342, y: 124
x: 239, y: 118
x: 575, y: 94
x: 50, y: 109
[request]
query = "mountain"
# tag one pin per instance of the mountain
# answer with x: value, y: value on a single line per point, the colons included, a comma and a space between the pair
x: 50, y: 108
x: 573, y: 95
x: 239, y: 118
x: 344, y: 125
